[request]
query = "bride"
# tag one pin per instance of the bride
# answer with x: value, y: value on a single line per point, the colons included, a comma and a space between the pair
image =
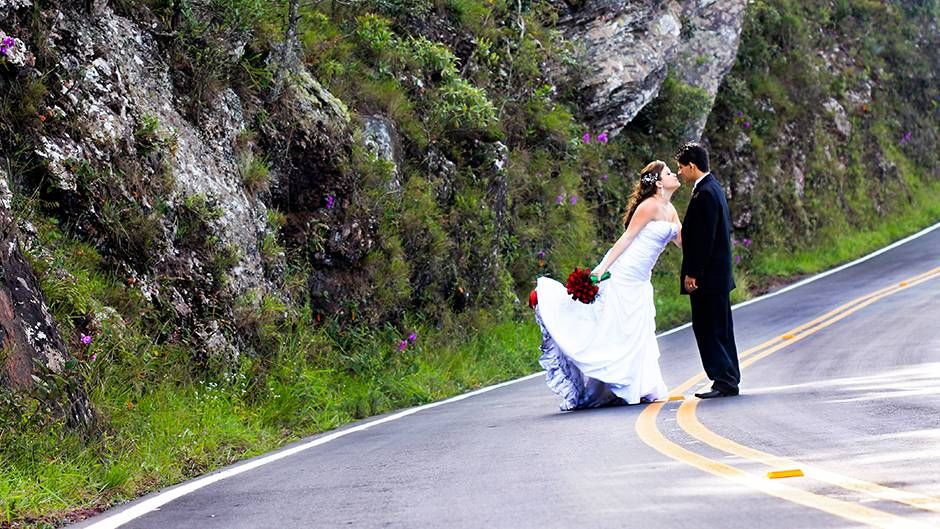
x: 604, y: 352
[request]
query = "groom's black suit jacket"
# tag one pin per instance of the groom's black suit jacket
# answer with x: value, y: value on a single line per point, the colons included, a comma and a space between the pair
x: 706, y: 239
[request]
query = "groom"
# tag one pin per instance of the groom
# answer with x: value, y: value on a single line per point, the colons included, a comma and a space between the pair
x: 706, y: 271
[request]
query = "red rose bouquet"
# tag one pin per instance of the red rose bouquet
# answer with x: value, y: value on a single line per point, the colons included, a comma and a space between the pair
x: 580, y: 286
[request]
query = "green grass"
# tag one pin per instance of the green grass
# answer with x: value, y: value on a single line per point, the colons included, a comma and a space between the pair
x: 838, y: 243
x: 175, y: 427
x: 256, y: 174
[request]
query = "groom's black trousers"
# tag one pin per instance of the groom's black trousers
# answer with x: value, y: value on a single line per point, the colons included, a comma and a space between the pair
x: 714, y: 333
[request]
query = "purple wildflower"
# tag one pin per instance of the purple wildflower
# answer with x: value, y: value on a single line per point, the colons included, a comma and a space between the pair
x: 574, y: 199
x: 403, y: 345
x: 604, y: 177
x: 560, y: 199
x: 907, y: 137
x: 541, y: 254
x: 746, y: 243
x: 94, y: 357
x: 8, y: 42
x: 602, y: 137
x: 586, y: 138
x: 740, y: 114
x: 737, y: 259
x: 329, y: 201
x: 413, y: 337
x: 3, y: 51
x: 747, y: 124
x: 86, y: 339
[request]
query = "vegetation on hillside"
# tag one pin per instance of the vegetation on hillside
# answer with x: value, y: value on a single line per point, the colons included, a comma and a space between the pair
x: 486, y: 85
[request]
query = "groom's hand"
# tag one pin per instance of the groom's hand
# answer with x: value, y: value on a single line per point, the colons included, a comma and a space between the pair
x: 690, y: 284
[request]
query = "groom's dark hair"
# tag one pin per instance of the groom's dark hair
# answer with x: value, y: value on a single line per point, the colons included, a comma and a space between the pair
x: 693, y: 152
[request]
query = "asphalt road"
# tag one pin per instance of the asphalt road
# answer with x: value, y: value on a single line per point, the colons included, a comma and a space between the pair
x: 858, y: 397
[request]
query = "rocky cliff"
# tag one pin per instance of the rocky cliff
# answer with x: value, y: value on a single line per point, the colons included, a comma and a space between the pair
x: 161, y: 185
x: 171, y: 176
x: 626, y: 49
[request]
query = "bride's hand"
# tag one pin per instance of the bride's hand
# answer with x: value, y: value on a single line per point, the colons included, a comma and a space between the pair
x: 597, y: 272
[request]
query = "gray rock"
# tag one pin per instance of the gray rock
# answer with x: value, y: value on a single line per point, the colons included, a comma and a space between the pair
x: 309, y: 138
x: 179, y: 304
x: 741, y: 142
x: 96, y: 7
x: 799, y: 180
x: 742, y: 219
x: 627, y: 48
x: 887, y: 170
x: 306, y: 136
x: 740, y: 169
x: 107, y: 316
x: 499, y: 156
x: 6, y: 196
x: 214, y: 343
x: 17, y: 55
x: 312, y: 100
x: 113, y: 78
x: 58, y: 152
x: 31, y: 339
x: 442, y: 172
x: 382, y: 139
x: 6, y: 6
x: 624, y: 49
x: 712, y: 32
x: 843, y: 125
x: 120, y: 77
x: 861, y: 94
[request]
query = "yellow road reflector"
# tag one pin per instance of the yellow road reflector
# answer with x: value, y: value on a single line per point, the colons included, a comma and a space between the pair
x: 677, y: 397
x: 903, y: 283
x: 788, y: 336
x: 793, y: 473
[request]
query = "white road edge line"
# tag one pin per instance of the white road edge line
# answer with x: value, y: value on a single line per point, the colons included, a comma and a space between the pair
x: 145, y: 506
x: 151, y: 504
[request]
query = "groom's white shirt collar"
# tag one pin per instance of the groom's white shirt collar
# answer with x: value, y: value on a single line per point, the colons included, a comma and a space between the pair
x: 699, y: 180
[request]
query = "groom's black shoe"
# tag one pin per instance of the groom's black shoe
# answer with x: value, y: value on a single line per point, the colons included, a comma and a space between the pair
x: 715, y: 393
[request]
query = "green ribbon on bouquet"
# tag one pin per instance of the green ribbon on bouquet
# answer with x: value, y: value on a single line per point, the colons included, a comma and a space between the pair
x: 595, y: 280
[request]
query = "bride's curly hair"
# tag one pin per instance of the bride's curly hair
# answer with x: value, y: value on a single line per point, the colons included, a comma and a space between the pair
x: 645, y: 188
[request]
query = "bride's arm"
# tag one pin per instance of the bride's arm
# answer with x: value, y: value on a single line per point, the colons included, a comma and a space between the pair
x: 644, y: 213
x: 675, y: 219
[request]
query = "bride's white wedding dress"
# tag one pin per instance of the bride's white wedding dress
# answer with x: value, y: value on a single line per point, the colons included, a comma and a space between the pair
x: 594, y: 353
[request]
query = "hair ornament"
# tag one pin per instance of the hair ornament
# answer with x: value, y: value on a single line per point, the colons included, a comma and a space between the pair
x: 649, y: 178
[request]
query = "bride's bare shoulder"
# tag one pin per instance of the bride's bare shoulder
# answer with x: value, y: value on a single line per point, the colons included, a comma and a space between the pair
x: 648, y: 206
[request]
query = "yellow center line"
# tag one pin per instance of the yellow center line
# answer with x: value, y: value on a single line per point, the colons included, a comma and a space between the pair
x: 650, y: 434
x: 790, y: 335
x: 648, y: 431
x: 858, y: 305
x: 689, y: 422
